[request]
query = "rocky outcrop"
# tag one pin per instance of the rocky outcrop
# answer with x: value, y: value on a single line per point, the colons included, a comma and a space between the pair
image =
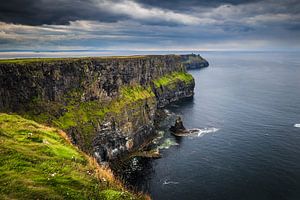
x: 178, y: 126
x: 193, y: 61
x: 173, y: 87
x: 107, y: 105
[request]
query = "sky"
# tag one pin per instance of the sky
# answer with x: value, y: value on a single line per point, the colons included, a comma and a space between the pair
x: 149, y: 25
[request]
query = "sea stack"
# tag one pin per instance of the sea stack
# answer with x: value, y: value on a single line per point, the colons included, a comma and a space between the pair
x: 178, y: 128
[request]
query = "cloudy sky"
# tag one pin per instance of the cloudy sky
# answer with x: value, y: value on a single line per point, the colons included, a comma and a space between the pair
x: 150, y: 25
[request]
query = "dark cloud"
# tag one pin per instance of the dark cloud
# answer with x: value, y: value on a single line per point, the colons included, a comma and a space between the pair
x: 188, y: 4
x: 148, y: 23
x: 38, y: 12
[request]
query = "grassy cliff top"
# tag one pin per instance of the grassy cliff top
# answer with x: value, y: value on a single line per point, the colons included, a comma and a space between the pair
x: 173, y: 77
x: 100, y: 58
x: 37, y: 162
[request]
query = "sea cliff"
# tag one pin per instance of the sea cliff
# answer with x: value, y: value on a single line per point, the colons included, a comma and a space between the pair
x: 106, y: 105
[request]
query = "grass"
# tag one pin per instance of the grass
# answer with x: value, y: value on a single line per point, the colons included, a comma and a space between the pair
x: 135, y: 93
x: 172, y: 78
x: 38, y: 162
x: 32, y: 60
x: 130, y: 95
x: 36, y: 60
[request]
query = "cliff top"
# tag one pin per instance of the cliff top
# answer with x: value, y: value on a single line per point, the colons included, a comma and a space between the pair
x: 192, y: 57
x: 100, y: 58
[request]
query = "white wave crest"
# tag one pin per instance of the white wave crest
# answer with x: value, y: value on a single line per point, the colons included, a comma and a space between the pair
x: 170, y: 182
x: 202, y: 131
x: 168, y: 112
x: 167, y: 144
x: 160, y: 135
x: 297, y: 125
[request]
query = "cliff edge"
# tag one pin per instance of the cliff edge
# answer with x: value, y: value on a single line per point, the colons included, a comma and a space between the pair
x: 194, y: 61
x: 106, y: 105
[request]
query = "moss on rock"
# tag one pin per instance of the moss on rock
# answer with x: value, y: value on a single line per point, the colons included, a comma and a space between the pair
x: 172, y: 78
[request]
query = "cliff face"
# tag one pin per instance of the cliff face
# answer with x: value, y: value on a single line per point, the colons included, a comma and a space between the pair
x: 107, y: 105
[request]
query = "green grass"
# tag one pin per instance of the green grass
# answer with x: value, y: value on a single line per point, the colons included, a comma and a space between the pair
x: 130, y: 95
x: 173, y: 78
x: 32, y: 60
x: 35, y: 60
x: 113, y: 194
x: 36, y: 162
x: 135, y: 93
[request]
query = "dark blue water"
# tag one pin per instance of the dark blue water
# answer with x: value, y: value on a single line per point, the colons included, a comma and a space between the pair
x: 254, y: 101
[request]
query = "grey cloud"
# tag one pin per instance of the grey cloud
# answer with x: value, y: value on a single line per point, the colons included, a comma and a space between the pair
x: 38, y: 12
x: 148, y: 24
x: 188, y: 4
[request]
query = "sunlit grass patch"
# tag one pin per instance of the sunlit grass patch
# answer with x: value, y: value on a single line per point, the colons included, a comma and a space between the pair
x: 172, y: 78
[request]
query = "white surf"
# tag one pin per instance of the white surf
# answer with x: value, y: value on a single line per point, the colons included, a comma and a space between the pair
x: 202, y: 131
x: 170, y: 182
x: 297, y: 125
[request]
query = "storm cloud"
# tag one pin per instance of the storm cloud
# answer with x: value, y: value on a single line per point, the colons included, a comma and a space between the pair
x: 149, y: 24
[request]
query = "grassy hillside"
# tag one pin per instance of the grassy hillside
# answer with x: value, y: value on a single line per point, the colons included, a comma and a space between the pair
x: 38, y: 162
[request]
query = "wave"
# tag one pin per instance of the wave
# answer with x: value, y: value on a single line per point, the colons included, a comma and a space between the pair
x: 170, y: 182
x: 168, y: 112
x: 204, y: 131
x: 297, y: 125
x: 201, y: 131
x: 160, y: 135
x: 167, y: 144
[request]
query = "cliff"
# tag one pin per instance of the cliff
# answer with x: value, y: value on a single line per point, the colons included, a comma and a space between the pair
x: 107, y: 105
x: 193, y: 61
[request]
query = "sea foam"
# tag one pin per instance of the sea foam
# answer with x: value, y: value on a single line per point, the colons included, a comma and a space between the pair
x: 167, y: 144
x: 170, y: 182
x: 297, y: 125
x: 202, y: 131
